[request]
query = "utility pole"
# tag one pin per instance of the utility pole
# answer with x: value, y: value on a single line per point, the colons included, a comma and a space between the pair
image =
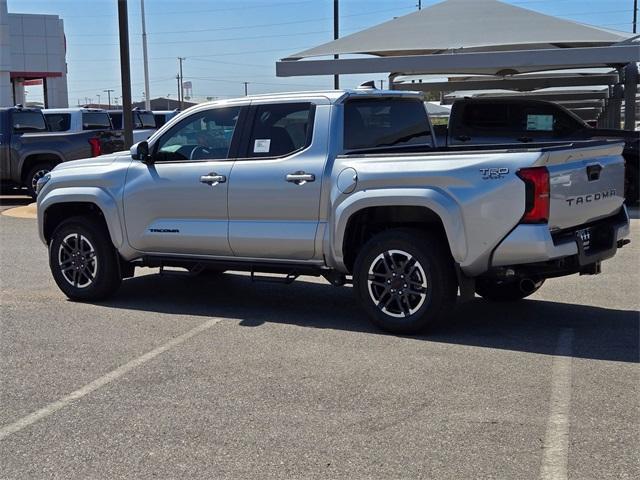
x: 246, y: 89
x: 125, y: 72
x: 145, y: 60
x: 98, y: 95
x: 180, y: 60
x: 109, y: 90
x: 635, y: 15
x: 336, y: 34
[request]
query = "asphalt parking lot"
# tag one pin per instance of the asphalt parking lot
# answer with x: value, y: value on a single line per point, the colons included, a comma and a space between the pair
x: 176, y: 377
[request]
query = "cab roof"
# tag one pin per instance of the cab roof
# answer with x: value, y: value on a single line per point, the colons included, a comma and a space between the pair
x: 330, y: 96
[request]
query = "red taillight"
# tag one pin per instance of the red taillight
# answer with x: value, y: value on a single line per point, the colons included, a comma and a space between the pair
x: 96, y: 148
x: 536, y: 180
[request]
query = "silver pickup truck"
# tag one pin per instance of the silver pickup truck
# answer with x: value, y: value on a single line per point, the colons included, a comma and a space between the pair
x: 349, y: 185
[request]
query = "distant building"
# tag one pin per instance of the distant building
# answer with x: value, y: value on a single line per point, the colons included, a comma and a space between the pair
x: 32, y: 52
x: 164, y: 104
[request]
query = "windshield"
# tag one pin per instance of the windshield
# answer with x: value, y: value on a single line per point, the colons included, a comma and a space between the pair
x: 32, y: 121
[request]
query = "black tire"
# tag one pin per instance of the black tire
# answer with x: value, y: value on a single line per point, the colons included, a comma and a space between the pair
x: 34, y: 174
x: 98, y: 273
x: 428, y: 295
x: 632, y: 185
x: 505, y: 290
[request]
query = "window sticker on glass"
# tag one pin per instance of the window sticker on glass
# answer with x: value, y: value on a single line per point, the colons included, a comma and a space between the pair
x: 540, y: 122
x: 262, y: 145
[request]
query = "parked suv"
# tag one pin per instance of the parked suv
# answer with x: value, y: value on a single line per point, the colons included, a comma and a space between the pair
x: 345, y: 184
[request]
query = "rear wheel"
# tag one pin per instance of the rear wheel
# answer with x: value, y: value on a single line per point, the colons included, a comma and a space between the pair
x: 35, y: 174
x: 83, y: 261
x: 405, y: 280
x: 510, y: 290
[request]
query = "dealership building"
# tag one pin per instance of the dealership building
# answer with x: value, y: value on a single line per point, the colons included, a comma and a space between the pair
x: 32, y: 52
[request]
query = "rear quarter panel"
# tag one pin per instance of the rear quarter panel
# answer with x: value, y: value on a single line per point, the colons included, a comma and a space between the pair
x: 477, y: 210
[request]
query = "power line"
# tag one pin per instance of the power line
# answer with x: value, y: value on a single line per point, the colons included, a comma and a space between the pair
x: 224, y: 39
x: 264, y: 25
x: 218, y: 10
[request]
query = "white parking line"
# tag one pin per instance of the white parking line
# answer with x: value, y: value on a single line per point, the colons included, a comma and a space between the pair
x: 556, y: 443
x: 102, y: 381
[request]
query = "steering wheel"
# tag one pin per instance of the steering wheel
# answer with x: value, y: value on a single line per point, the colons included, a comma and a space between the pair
x: 198, y: 148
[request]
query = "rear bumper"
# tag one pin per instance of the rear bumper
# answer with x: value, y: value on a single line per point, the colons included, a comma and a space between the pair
x: 535, y: 243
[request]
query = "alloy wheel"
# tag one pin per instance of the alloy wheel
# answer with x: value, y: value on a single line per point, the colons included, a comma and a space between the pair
x: 37, y: 176
x: 77, y: 260
x: 397, y: 283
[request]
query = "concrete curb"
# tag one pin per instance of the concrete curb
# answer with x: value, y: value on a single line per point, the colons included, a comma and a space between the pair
x: 26, y: 211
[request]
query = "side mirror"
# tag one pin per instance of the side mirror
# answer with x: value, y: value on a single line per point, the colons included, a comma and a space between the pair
x: 140, y: 151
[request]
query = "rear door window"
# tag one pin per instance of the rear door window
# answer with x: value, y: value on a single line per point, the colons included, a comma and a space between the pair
x: 58, y: 122
x: 144, y: 120
x: 96, y: 121
x: 280, y: 129
x: 385, y: 122
x: 23, y: 122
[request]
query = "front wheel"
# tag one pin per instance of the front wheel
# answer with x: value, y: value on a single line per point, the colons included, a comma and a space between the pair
x: 405, y: 280
x: 83, y: 261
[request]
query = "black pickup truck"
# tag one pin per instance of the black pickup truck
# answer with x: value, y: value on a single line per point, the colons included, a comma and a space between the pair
x: 497, y: 121
x: 28, y: 150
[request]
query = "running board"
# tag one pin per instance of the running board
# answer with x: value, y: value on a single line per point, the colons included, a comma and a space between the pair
x: 288, y: 279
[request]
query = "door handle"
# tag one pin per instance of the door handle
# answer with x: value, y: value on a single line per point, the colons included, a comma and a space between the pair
x: 525, y: 139
x: 300, y: 178
x: 463, y: 138
x: 213, y: 179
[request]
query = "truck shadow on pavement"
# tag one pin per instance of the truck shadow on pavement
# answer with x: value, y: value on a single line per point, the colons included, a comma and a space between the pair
x: 528, y: 326
x: 14, y: 200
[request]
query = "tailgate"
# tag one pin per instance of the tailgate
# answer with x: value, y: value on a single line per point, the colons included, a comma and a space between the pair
x: 586, y: 183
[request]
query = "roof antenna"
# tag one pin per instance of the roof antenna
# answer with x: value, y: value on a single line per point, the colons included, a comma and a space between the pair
x: 371, y: 84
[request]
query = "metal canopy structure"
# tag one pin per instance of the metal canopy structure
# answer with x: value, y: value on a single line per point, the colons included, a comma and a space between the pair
x: 485, y: 37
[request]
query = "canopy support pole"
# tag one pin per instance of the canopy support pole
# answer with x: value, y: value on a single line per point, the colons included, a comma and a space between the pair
x: 630, y: 89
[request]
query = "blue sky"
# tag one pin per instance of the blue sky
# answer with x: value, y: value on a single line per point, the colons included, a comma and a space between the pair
x: 228, y: 42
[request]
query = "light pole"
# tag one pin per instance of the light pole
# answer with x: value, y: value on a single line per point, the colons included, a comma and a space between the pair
x: 147, y: 100
x: 180, y: 60
x: 179, y: 101
x: 246, y: 89
x: 336, y: 28
x: 98, y: 95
